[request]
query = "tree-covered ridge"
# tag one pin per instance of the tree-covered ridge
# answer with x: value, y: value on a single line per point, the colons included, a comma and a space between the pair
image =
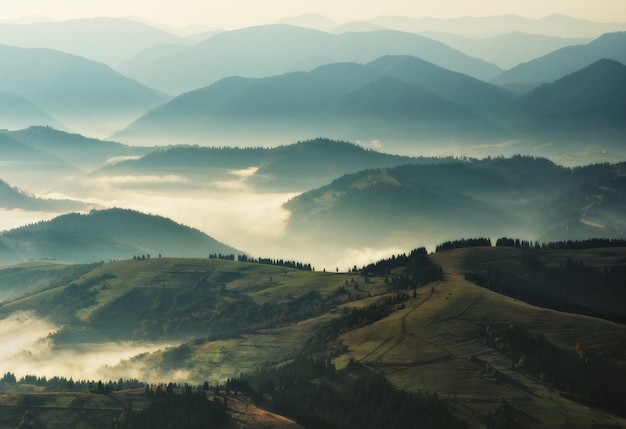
x: 299, y: 165
x: 488, y: 197
x: 104, y: 235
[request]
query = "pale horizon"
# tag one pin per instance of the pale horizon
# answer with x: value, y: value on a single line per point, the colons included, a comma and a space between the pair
x: 244, y: 13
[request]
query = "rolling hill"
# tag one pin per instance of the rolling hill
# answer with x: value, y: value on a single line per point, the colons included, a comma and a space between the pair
x: 105, y: 235
x: 564, y: 61
x: 336, y: 99
x: 76, y: 91
x: 277, y: 49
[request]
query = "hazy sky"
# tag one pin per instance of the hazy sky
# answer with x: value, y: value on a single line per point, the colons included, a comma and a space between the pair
x: 240, y: 13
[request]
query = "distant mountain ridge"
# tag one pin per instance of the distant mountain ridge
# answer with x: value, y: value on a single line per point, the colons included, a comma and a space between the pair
x: 336, y: 99
x: 589, y: 104
x: 92, y: 38
x: 564, y: 61
x: 276, y: 49
x: 82, y: 94
x: 509, y: 49
x: 105, y: 235
x: 296, y: 166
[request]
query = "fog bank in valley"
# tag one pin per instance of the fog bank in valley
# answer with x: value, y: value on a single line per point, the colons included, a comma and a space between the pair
x: 27, y: 350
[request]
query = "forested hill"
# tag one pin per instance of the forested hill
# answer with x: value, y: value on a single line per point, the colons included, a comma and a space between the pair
x: 104, y: 235
x: 530, y: 195
x: 308, y: 163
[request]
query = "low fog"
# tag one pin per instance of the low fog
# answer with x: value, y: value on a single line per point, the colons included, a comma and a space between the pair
x: 26, y: 350
x: 227, y: 208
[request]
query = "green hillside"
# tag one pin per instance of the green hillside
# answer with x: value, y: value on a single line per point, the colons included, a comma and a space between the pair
x: 265, y: 324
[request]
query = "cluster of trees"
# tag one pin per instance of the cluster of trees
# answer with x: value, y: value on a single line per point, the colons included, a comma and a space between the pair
x: 572, y: 286
x: 316, y: 395
x: 226, y: 257
x: 189, y: 409
x: 410, y: 271
x: 575, y: 373
x: 592, y: 243
x: 276, y: 262
x: 462, y: 243
x: 63, y: 384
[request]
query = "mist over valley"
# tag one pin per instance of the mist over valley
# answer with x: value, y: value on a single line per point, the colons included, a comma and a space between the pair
x: 392, y: 222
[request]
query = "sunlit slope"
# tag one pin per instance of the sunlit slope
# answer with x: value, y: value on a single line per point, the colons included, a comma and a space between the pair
x: 176, y: 299
x: 427, y: 345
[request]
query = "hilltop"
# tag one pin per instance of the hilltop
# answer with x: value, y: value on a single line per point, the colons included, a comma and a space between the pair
x: 105, y: 235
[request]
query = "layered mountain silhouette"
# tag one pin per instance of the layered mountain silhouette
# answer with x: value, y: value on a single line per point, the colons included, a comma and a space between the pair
x: 278, y: 49
x: 509, y: 49
x: 80, y: 93
x: 103, y: 235
x: 564, y: 61
x: 395, y: 96
x: 106, y: 40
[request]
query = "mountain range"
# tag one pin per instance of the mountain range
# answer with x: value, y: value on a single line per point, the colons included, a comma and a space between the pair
x: 77, y: 92
x: 276, y: 49
x: 344, y: 98
x: 111, y: 41
x: 398, y: 99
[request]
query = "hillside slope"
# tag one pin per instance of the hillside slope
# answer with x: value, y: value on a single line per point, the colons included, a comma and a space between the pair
x: 105, y: 235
